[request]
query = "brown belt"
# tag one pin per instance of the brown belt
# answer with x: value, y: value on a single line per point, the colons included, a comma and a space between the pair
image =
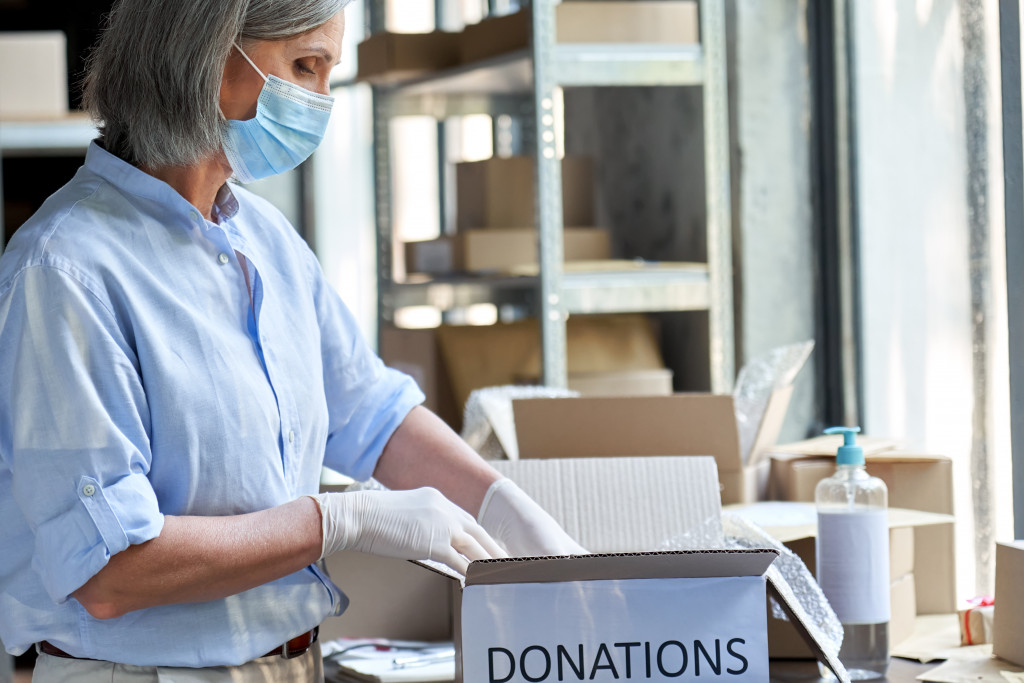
x: 295, y: 647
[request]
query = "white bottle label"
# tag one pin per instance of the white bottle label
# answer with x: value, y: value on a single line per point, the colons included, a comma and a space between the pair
x: 853, y: 564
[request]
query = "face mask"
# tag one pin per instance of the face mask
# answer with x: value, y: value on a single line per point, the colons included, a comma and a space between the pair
x: 289, y: 125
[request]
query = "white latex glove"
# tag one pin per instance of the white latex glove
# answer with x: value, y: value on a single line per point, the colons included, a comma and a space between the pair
x: 515, y: 520
x: 411, y: 525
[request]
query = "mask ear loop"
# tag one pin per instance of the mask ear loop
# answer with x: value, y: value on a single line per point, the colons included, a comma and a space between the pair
x: 251, y: 63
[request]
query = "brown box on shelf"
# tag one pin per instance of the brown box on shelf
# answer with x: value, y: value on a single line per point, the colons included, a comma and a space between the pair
x: 498, y: 193
x: 588, y: 22
x: 653, y: 382
x: 33, y: 75
x: 386, y: 57
x: 915, y: 481
x: 416, y: 353
x: 499, y: 250
x: 493, y: 355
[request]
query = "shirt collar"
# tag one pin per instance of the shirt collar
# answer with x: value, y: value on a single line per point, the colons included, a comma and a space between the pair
x: 126, y: 177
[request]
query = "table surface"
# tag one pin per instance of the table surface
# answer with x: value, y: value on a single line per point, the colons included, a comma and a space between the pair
x: 805, y: 671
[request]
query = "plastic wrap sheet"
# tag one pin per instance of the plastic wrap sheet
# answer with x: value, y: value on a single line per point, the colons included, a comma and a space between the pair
x: 489, y: 425
x: 788, y: 572
x: 757, y: 380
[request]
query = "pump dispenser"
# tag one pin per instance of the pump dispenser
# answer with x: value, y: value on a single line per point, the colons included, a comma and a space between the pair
x: 853, y: 557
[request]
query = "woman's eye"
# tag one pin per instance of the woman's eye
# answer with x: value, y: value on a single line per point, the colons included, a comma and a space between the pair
x: 304, y: 69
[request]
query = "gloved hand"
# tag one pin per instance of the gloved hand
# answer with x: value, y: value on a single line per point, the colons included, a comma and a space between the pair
x: 412, y: 525
x: 525, y: 529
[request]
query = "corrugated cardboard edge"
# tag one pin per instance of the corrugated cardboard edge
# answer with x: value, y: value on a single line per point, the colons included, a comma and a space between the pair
x: 669, y: 564
x: 825, y: 658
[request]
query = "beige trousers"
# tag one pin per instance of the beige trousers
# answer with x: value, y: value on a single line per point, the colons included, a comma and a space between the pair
x: 308, y: 668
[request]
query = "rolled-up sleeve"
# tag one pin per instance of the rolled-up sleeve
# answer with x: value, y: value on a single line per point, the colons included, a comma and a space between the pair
x: 366, y: 401
x: 73, y: 427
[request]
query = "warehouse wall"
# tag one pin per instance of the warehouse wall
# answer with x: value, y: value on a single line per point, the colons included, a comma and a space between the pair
x: 651, y: 185
x: 915, y: 251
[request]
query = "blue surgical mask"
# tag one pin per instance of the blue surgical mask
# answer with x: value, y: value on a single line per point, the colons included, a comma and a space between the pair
x: 289, y: 125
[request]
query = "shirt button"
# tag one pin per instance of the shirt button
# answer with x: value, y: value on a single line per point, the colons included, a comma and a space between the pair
x: 88, y: 489
x: 291, y: 436
x: 223, y: 258
x: 194, y: 216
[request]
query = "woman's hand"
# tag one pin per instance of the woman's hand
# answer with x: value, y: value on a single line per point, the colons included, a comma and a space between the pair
x: 515, y: 519
x: 414, y: 525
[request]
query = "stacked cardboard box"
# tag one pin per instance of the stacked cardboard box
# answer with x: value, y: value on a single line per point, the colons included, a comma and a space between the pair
x: 915, y: 482
x: 587, y: 22
x: 33, y: 75
x: 394, y: 57
x: 495, y: 219
x: 608, y: 356
x: 391, y: 57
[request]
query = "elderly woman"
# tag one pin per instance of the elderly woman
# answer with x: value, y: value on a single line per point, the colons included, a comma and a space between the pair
x: 174, y: 371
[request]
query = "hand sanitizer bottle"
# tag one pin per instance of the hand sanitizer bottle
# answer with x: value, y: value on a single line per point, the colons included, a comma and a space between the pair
x: 853, y: 557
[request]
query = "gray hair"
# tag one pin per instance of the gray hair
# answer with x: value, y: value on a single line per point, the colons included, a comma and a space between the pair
x: 153, y: 78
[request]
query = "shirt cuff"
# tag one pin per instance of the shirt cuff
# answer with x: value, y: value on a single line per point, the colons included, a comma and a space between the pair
x: 380, y: 413
x: 102, y: 521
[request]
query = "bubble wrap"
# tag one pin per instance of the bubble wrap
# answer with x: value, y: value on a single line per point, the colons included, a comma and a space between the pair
x: 757, y: 380
x: 788, y: 574
x: 488, y: 424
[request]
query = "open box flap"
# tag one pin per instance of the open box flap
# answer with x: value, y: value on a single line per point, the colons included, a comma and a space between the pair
x: 615, y: 505
x: 795, y: 615
x: 672, y: 564
x: 683, y: 424
x: 788, y: 521
x: 825, y: 446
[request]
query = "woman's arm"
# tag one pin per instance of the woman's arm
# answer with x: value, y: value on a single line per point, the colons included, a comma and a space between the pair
x: 206, y: 558
x: 424, y: 451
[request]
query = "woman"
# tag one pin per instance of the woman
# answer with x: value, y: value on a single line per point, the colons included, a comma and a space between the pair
x: 174, y: 371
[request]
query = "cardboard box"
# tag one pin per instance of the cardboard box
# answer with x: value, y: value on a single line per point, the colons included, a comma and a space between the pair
x: 655, y: 382
x: 915, y: 481
x: 1008, y: 621
x: 416, y: 353
x: 682, y: 424
x: 799, y: 536
x: 976, y: 624
x: 495, y: 355
x: 33, y: 75
x: 499, y: 250
x: 499, y: 193
x: 903, y: 604
x: 388, y: 57
x: 670, y: 22
x: 518, y: 612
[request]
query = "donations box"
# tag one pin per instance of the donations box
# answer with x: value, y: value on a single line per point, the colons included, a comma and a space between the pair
x: 679, y: 616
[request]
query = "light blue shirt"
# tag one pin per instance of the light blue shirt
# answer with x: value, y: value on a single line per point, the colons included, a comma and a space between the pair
x: 137, y: 380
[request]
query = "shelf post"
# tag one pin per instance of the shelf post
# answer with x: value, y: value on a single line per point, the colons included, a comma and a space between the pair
x: 548, y: 198
x: 382, y: 205
x: 719, y: 213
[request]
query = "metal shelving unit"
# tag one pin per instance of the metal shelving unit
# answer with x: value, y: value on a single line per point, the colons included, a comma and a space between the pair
x: 523, y: 84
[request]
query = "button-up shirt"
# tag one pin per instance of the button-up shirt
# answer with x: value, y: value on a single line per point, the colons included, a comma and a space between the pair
x: 153, y: 363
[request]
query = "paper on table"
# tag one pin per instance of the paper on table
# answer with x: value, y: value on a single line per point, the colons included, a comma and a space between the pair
x: 384, y: 671
x: 980, y: 668
x: 936, y: 636
x: 373, y: 660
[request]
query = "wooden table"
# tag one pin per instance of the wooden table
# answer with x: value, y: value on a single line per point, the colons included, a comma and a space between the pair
x: 805, y: 671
